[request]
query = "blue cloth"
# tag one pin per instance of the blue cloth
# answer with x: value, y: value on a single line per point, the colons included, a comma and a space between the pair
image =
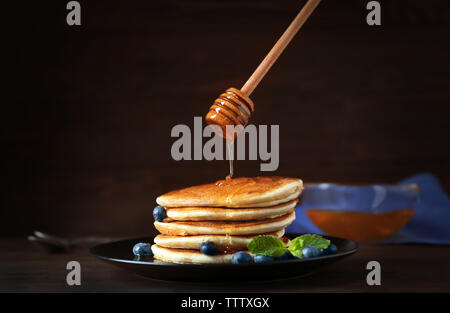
x: 429, y: 224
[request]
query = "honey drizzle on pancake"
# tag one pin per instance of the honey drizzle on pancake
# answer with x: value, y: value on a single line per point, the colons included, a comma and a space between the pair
x: 229, y: 244
x: 230, y: 147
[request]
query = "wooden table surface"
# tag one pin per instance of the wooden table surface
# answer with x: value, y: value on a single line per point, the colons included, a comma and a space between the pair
x: 404, y: 268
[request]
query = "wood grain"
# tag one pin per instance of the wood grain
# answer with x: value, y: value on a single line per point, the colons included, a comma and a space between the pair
x: 404, y: 268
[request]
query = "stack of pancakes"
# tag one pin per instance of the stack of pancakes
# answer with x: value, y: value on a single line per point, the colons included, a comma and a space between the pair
x: 228, y: 213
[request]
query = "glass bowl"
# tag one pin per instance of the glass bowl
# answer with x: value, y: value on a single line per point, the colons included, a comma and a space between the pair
x: 360, y: 213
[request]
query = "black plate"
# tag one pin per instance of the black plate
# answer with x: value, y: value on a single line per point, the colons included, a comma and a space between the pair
x: 120, y: 253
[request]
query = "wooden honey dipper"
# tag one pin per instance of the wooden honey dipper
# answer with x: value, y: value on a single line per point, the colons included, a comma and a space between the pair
x: 234, y: 106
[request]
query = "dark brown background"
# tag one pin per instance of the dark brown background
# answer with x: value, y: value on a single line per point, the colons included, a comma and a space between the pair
x: 88, y: 110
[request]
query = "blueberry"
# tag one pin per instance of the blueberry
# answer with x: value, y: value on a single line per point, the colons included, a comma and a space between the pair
x: 208, y: 248
x: 159, y: 213
x: 332, y: 249
x: 309, y: 252
x: 259, y: 258
x: 142, y: 249
x: 285, y: 256
x: 241, y: 257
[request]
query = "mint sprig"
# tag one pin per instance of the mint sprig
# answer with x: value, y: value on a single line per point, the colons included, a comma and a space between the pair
x: 273, y: 246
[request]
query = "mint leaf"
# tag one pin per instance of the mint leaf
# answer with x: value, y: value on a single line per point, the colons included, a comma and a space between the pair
x: 314, y: 240
x: 302, y: 241
x: 296, y: 247
x: 267, y: 245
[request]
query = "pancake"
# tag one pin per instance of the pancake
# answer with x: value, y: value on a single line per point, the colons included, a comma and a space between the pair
x: 241, y: 192
x: 188, y: 256
x: 225, y: 227
x: 227, y: 214
x: 222, y: 242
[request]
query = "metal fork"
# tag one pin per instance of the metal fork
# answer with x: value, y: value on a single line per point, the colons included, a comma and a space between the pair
x: 59, y: 244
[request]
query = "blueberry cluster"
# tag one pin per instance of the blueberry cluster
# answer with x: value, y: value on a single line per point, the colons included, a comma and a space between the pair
x: 209, y: 248
x: 311, y: 251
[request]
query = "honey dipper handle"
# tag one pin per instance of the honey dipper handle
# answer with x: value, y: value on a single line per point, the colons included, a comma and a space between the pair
x: 281, y: 44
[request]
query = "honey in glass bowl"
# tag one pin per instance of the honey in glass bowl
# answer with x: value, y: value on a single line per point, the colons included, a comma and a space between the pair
x: 356, y: 213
